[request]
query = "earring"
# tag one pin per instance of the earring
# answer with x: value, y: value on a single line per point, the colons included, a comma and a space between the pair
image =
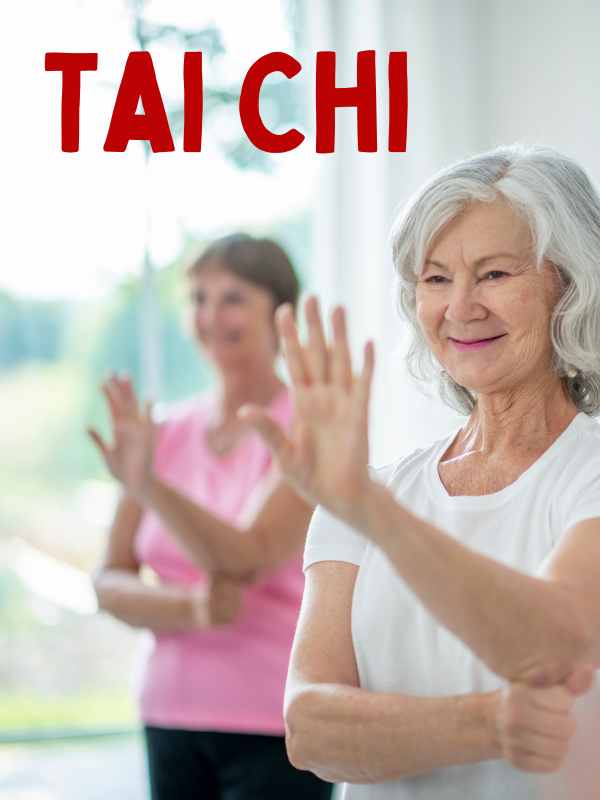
x: 572, y: 373
x: 446, y: 376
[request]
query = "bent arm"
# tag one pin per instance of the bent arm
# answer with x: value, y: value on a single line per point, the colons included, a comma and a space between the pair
x: 344, y: 733
x: 525, y: 628
x: 121, y: 592
x: 276, y: 534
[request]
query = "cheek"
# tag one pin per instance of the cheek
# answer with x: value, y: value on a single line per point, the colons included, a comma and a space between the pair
x: 258, y: 325
x: 430, y: 312
x: 197, y: 320
x: 529, y: 311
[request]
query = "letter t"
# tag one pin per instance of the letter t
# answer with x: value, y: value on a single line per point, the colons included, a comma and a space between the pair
x: 71, y: 65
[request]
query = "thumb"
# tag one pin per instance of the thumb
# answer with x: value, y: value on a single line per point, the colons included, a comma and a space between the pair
x: 269, y: 430
x: 580, y: 681
x: 146, y: 414
x: 95, y: 437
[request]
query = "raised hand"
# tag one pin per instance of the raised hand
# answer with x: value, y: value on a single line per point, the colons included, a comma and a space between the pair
x: 129, y: 457
x: 534, y: 726
x: 325, y: 458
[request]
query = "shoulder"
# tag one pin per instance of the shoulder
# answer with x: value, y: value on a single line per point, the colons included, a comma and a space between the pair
x: 572, y: 475
x: 407, y: 467
x: 584, y: 439
x: 182, y: 410
x: 576, y: 461
x: 330, y: 539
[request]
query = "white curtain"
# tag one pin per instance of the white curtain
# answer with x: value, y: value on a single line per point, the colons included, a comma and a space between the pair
x: 480, y: 73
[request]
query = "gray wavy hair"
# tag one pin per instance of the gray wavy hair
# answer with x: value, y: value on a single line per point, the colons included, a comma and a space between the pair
x: 554, y: 195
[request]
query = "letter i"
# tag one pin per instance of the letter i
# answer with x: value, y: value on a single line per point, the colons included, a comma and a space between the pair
x: 193, y: 102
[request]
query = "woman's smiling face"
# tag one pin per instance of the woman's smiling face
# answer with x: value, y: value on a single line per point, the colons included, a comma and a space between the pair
x: 233, y: 318
x: 483, y: 304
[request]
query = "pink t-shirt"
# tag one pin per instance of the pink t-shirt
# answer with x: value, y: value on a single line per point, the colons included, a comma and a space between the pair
x: 229, y: 679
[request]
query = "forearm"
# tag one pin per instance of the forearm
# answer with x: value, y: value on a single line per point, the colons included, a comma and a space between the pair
x: 517, y: 624
x: 343, y: 733
x: 122, y: 594
x: 212, y: 544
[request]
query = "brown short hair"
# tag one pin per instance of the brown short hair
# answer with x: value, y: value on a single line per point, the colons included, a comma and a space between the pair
x: 260, y: 261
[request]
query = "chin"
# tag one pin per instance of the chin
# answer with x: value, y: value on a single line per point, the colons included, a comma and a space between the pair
x: 227, y: 357
x: 481, y: 383
x: 474, y: 380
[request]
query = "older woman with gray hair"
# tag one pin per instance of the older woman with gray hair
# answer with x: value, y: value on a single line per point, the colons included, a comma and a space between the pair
x: 450, y: 627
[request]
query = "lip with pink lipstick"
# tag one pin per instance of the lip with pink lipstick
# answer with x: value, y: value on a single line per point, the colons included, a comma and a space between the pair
x: 466, y: 345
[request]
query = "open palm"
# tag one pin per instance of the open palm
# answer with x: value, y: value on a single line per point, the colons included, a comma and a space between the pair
x: 129, y: 457
x: 325, y: 457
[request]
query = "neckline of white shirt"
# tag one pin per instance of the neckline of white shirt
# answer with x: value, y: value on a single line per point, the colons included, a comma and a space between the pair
x: 476, y: 502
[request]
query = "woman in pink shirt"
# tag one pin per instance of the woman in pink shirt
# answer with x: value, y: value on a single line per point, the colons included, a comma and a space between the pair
x: 206, y: 512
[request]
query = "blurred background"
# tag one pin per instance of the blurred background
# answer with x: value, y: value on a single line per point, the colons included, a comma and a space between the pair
x: 91, y: 258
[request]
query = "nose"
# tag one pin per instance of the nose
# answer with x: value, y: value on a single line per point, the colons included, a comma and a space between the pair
x: 208, y: 312
x: 464, y: 305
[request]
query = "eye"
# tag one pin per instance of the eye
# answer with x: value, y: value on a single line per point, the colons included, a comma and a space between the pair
x: 494, y: 274
x: 436, y: 279
x: 197, y: 297
x: 234, y: 298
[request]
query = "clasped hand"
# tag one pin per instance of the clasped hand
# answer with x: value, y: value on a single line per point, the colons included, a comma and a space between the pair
x: 533, y: 726
x: 218, y: 603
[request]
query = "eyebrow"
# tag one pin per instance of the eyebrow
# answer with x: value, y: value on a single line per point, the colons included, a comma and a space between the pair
x: 480, y: 261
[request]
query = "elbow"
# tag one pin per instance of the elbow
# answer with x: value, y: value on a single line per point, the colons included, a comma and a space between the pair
x: 306, y: 743
x: 311, y: 749
x: 102, y: 594
x: 295, y: 740
x: 302, y: 736
x: 106, y: 586
x: 564, y: 640
x: 569, y: 639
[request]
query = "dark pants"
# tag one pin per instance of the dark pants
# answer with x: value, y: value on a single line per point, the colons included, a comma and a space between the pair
x: 207, y: 765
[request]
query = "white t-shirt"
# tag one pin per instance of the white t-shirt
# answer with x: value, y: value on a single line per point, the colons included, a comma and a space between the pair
x: 400, y: 647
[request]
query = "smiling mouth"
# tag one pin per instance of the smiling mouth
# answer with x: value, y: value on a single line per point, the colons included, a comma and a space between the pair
x: 220, y: 339
x: 474, y: 344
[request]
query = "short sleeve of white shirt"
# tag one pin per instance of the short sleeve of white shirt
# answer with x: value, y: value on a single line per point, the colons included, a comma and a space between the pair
x: 586, y: 500
x: 330, y: 539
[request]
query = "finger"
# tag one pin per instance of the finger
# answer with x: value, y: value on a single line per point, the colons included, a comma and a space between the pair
x: 557, y: 699
x: 95, y: 437
x: 128, y: 393
x: 528, y: 762
x: 146, y: 414
x: 113, y: 407
x: 114, y: 395
x: 580, y: 681
x: 293, y: 349
x: 317, y: 355
x: 538, y: 720
x: 363, y: 386
x: 341, y: 366
x: 539, y: 745
x: 267, y: 428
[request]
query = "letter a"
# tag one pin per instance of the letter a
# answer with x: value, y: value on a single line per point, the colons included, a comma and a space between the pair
x: 139, y: 83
